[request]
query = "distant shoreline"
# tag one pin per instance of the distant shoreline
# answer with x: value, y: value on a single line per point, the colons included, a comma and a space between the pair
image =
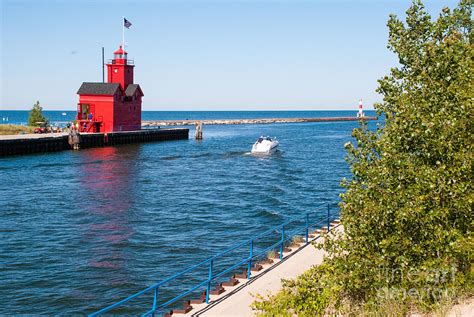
x: 59, y: 117
x: 161, y: 110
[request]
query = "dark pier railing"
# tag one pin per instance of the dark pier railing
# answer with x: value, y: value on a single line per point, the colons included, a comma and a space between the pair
x: 125, y: 62
x: 297, y: 226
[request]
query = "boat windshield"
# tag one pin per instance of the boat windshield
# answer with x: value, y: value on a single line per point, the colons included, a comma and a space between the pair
x: 264, y: 138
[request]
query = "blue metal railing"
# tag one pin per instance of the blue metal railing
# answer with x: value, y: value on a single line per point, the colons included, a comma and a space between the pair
x: 212, y: 276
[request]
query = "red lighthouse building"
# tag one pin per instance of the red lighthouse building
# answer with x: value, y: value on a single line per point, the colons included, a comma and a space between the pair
x: 112, y: 106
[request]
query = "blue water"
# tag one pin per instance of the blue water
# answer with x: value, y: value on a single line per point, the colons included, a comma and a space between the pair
x: 81, y: 229
x: 63, y: 117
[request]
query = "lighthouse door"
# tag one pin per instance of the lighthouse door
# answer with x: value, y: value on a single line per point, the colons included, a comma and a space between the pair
x: 85, y: 110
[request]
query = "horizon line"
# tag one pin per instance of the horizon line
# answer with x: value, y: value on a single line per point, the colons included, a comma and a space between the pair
x: 204, y: 110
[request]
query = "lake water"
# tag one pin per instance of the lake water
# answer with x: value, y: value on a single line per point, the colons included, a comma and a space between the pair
x: 81, y: 229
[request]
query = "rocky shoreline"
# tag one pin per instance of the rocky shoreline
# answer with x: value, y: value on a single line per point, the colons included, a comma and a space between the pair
x: 249, y: 121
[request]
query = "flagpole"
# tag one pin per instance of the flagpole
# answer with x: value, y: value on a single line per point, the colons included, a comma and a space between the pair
x: 103, y: 66
x: 123, y: 33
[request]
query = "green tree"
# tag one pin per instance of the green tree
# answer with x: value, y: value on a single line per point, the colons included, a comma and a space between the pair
x: 407, y: 210
x: 36, y: 115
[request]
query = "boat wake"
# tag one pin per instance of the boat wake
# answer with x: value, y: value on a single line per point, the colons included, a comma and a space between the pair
x: 275, y: 153
x: 234, y: 154
x: 269, y: 213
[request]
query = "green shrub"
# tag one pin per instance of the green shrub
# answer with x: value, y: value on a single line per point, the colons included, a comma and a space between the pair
x: 272, y: 254
x: 296, y: 241
x: 301, y: 296
x: 407, y: 210
x: 36, y: 117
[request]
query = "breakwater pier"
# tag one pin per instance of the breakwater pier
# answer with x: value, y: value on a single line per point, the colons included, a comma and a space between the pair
x: 51, y: 142
x: 157, y: 123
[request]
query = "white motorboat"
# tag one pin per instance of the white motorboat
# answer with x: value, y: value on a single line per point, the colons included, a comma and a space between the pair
x: 265, y: 145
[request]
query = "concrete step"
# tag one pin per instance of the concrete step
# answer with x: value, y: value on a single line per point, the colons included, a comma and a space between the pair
x: 200, y: 300
x: 231, y: 282
x: 265, y: 261
x: 242, y: 275
x: 256, y: 267
x: 186, y: 309
x: 219, y: 289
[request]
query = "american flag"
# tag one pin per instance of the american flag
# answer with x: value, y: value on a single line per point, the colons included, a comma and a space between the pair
x: 127, y: 23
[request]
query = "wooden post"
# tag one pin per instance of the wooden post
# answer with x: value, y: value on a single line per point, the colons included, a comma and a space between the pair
x: 198, y: 130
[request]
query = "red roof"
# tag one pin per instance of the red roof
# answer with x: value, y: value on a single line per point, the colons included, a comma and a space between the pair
x: 120, y: 51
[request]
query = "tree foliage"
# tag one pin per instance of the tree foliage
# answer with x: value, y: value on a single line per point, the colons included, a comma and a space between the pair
x: 36, y: 115
x: 407, y: 210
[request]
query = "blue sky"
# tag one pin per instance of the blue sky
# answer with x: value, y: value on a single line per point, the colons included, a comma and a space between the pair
x: 202, y: 55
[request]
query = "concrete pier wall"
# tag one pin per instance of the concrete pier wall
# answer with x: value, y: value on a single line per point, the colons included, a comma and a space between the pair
x: 146, y: 136
x: 36, y: 143
x: 27, y: 145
